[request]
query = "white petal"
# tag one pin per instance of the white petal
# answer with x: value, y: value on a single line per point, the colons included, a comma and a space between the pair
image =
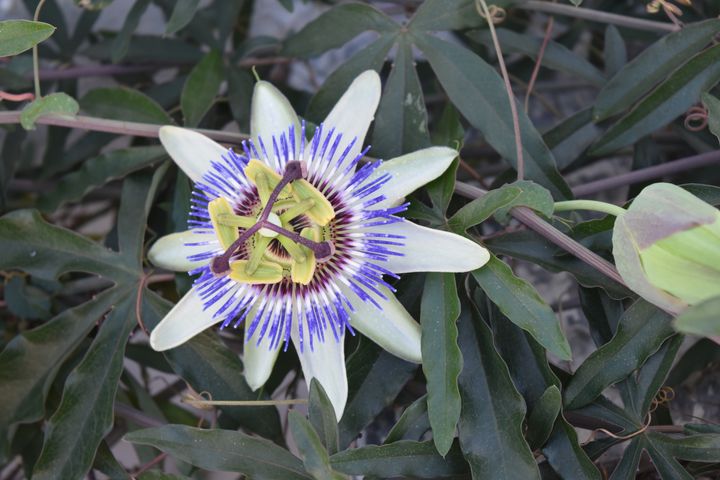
x: 430, y: 250
x: 353, y: 113
x: 326, y: 362
x: 259, y: 360
x: 171, y: 252
x: 271, y: 116
x: 412, y: 171
x: 392, y: 327
x: 192, y: 151
x: 186, y: 319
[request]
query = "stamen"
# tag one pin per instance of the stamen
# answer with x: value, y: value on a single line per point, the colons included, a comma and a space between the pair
x: 297, y: 209
x: 261, y: 244
x: 232, y: 220
x: 220, y: 265
x: 322, y: 250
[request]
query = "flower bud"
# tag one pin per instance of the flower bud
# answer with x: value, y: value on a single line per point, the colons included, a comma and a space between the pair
x: 667, y: 247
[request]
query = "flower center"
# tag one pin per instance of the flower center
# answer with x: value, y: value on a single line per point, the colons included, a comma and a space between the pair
x: 250, y: 240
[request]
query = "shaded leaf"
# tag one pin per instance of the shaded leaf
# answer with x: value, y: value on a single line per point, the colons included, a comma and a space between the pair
x: 482, y: 208
x: 627, y: 467
x: 322, y: 417
x: 85, y: 414
x: 183, y: 12
x: 442, y: 361
x: 98, y: 171
x: 53, y: 104
x: 477, y: 90
x: 203, y: 83
x: 16, y: 36
x: 371, y: 57
x: 402, y: 458
x: 712, y: 104
x: 375, y: 377
x: 315, y: 457
x: 643, y: 328
x: 401, y: 119
x: 122, y: 103
x: 615, y: 51
x: 434, y: 15
x: 132, y: 20
x: 336, y: 27
x: 652, y: 66
x: 556, y: 56
x: 673, y: 97
x: 412, y: 424
x: 542, y: 417
x: 520, y: 302
x: 223, y: 450
x: 490, y: 427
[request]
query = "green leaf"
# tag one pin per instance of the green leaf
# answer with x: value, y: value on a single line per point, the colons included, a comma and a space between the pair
x: 652, y: 66
x: 122, y: 40
x: 626, y: 469
x: 542, y: 417
x: 106, y: 463
x: 490, y: 427
x: 98, y: 171
x: 664, y: 463
x: 315, y: 457
x: 146, y: 48
x: 370, y: 57
x: 400, y: 459
x: 322, y: 417
x: 122, y: 103
x: 477, y: 90
x: 412, y: 424
x: 442, y: 361
x: 673, y: 97
x: 46, y: 251
x: 435, y: 15
x: 442, y: 189
x: 615, y: 51
x: 53, y: 104
x: 520, y: 302
x: 556, y: 56
x: 712, y: 104
x: 565, y: 454
x: 208, y: 365
x: 336, y: 27
x: 401, y: 120
x: 642, y: 330
x: 480, y: 209
x: 532, y: 196
x: 85, y: 414
x: 202, y: 85
x: 223, y: 450
x: 16, y: 36
x: 701, y: 319
x: 569, y: 139
x: 182, y: 14
x: 29, y: 363
x: 375, y: 377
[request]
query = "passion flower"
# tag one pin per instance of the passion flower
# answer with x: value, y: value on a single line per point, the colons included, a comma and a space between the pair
x: 296, y: 238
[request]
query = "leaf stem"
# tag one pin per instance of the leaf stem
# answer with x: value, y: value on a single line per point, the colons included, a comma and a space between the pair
x: 481, y: 5
x: 592, y: 205
x: 596, y: 16
x: 36, y: 68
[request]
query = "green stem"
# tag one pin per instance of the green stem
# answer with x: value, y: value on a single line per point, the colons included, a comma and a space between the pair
x: 36, y: 68
x: 592, y: 205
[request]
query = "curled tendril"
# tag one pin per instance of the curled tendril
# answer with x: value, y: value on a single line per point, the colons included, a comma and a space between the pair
x: 497, y: 14
x: 696, y: 119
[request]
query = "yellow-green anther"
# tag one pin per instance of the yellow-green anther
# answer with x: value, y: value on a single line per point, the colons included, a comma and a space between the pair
x: 261, y: 244
x: 232, y: 220
x: 296, y: 251
x: 302, y: 272
x: 256, y: 169
x: 284, y: 204
x: 297, y: 209
x: 266, y: 273
x: 263, y: 186
x: 225, y: 233
x: 322, y: 211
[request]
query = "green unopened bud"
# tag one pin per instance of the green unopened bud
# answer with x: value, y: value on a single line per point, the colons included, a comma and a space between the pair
x: 667, y: 247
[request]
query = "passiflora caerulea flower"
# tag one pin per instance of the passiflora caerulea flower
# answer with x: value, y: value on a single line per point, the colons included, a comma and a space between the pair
x: 296, y: 238
x: 667, y: 247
